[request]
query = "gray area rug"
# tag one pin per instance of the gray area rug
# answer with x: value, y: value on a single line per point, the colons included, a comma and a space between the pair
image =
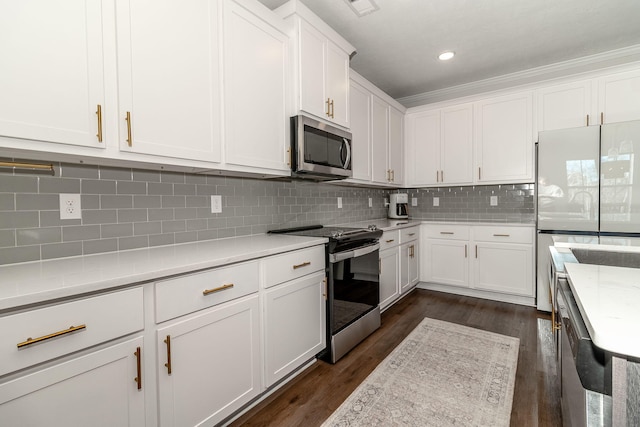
x: 442, y: 374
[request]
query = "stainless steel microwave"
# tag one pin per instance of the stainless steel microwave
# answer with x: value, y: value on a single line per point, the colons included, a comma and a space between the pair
x: 319, y: 151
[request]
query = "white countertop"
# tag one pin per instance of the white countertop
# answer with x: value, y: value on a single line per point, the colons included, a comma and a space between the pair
x: 608, y: 299
x: 40, y: 281
x: 384, y: 223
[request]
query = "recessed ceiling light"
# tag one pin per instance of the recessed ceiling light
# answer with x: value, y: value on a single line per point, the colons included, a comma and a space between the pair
x: 362, y: 7
x: 445, y: 56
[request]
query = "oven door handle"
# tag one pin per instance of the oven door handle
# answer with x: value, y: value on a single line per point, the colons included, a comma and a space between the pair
x: 341, y: 256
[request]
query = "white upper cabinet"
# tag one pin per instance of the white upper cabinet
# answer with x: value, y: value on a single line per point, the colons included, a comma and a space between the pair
x: 256, y: 88
x: 360, y: 132
x: 168, y: 70
x: 504, y: 139
x: 565, y: 106
x: 396, y: 145
x: 380, y: 141
x: 439, y: 146
x: 321, y: 65
x: 618, y: 96
x: 51, y: 78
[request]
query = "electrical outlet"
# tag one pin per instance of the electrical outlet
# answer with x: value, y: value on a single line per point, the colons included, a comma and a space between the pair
x: 339, y: 202
x: 494, y: 201
x: 370, y: 202
x: 436, y: 201
x: 216, y: 204
x: 70, y: 207
x: 414, y: 201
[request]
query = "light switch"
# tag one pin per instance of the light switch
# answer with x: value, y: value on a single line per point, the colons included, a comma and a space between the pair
x: 370, y: 202
x: 216, y: 204
x: 339, y: 202
x: 494, y: 201
x: 436, y: 201
x: 414, y: 201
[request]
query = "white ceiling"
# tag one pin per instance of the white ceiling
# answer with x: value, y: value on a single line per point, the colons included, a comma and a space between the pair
x: 397, y: 46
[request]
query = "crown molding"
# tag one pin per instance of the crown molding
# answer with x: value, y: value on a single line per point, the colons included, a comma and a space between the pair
x: 547, y: 72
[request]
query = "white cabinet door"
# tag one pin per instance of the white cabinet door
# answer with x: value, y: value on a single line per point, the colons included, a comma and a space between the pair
x: 409, y: 257
x: 389, y: 277
x: 168, y: 77
x: 446, y: 262
x: 97, y: 389
x: 506, y: 268
x: 255, y: 61
x: 360, y: 106
x: 214, y: 360
x: 313, y: 98
x: 457, y: 144
x: 295, y: 325
x: 337, y: 84
x: 51, y: 77
x: 423, y: 148
x: 618, y: 96
x: 565, y: 106
x: 380, y: 140
x: 504, y: 139
x: 396, y: 145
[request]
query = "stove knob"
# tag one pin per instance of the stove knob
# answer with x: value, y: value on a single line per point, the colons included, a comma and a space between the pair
x: 372, y: 227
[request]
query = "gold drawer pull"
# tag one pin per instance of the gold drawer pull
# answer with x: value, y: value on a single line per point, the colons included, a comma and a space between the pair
x: 412, y: 234
x: 304, y: 264
x: 138, y: 379
x: 168, y: 364
x: 389, y: 241
x: 447, y: 232
x: 218, y: 289
x: 99, y: 114
x: 71, y: 329
x: 129, y: 138
x: 501, y: 235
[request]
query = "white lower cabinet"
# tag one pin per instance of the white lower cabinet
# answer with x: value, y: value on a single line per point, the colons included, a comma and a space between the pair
x: 209, y: 364
x: 494, y: 262
x: 294, y: 324
x: 389, y: 283
x: 399, y: 266
x: 96, y: 389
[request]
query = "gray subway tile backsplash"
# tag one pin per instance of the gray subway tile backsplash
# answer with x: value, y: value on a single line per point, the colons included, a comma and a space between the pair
x: 134, y: 208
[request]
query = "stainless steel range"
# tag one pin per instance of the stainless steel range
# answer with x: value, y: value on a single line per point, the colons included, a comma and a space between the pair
x: 353, y: 284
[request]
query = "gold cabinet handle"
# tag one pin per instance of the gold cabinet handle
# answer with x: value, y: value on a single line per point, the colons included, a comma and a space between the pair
x: 328, y: 112
x: 479, y: 174
x: 501, y: 235
x: 437, y: 176
x: 138, y: 379
x: 587, y: 120
x: 465, y: 251
x: 446, y: 232
x: 476, y: 251
x: 411, y: 234
x: 71, y: 329
x: 441, y: 176
x: 388, y: 174
x: 304, y: 264
x: 324, y: 288
x: 412, y: 251
x: 389, y: 241
x: 167, y: 341
x: 218, y: 289
x: 332, y: 110
x: 601, y: 118
x: 99, y: 114
x: 393, y: 175
x: 128, y: 119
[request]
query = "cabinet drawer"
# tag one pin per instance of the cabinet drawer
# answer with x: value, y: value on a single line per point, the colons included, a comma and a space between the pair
x: 450, y: 232
x: 409, y: 234
x: 186, y: 294
x: 291, y: 265
x: 503, y: 234
x: 389, y: 239
x: 42, y: 334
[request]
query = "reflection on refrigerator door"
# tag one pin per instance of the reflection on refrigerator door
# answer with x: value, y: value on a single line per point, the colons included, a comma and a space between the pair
x: 620, y: 178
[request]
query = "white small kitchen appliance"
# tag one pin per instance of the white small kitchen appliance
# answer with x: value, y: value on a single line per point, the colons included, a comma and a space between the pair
x: 398, y: 205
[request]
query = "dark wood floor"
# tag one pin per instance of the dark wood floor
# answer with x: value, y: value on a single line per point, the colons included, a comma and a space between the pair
x: 312, y: 396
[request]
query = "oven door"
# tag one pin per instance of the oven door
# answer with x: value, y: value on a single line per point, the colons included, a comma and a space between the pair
x: 355, y: 285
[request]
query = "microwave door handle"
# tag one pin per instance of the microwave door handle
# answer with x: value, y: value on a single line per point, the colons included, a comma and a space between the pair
x: 347, y: 161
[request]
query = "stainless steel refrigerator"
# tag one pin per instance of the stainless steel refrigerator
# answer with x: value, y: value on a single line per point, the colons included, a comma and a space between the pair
x: 588, y: 186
